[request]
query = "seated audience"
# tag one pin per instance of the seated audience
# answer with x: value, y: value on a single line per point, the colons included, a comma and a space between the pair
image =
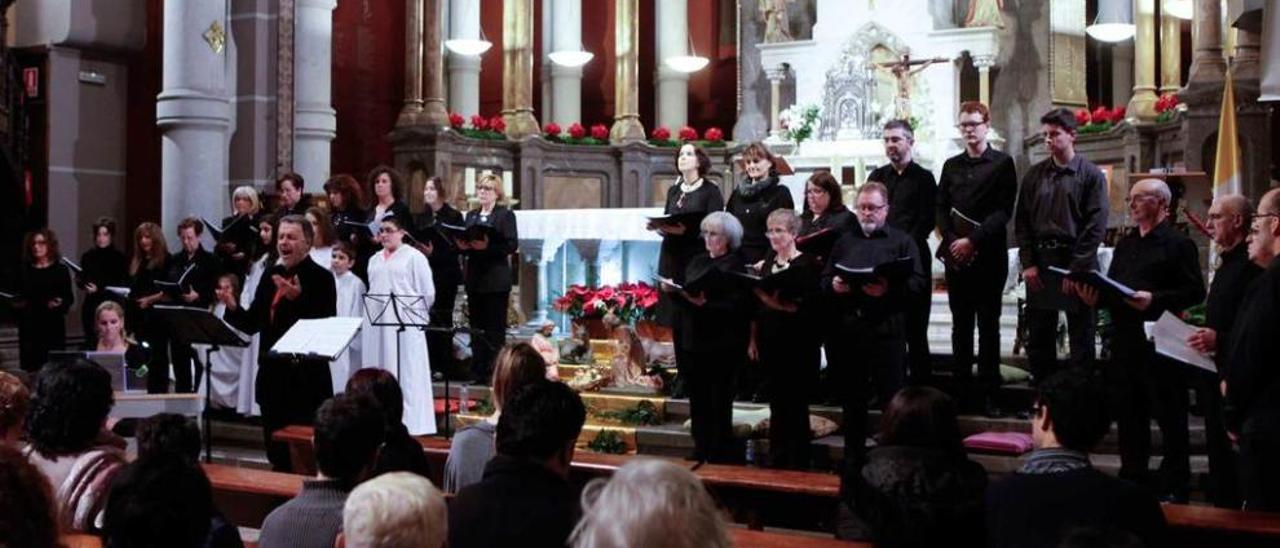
x: 14, y: 400
x: 1057, y: 490
x: 161, y: 500
x: 27, y: 513
x: 400, y: 452
x: 348, y: 432
x: 917, y: 487
x: 170, y: 435
x: 649, y: 503
x: 394, y: 510
x: 516, y: 366
x: 525, y: 498
x: 68, y: 441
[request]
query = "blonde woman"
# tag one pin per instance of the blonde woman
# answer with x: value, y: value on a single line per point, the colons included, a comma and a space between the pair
x: 649, y: 503
x: 240, y: 232
x: 488, y: 274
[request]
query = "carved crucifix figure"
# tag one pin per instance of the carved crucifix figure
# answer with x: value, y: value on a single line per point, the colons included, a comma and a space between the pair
x: 903, y: 70
x: 777, y: 23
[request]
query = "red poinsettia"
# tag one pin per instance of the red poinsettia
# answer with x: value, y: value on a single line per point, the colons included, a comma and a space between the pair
x: 1167, y: 102
x: 479, y: 122
x: 687, y: 133
x: 599, y: 131
x: 1117, y: 115
x: 497, y: 123
x: 577, y: 131
x: 661, y: 133
x: 551, y: 130
x: 456, y: 120
x: 713, y: 134
x: 1100, y: 115
x: 1082, y: 116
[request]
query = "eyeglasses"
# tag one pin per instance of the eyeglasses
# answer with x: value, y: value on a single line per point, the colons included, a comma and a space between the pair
x: 866, y: 208
x: 1137, y: 197
x: 814, y: 191
x: 388, y: 230
x: 486, y: 187
x: 777, y: 231
x: 969, y: 125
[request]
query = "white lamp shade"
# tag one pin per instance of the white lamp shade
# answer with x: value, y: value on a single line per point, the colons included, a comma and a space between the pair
x: 1177, y: 8
x: 687, y: 63
x: 570, y: 58
x: 471, y: 47
x: 1114, y: 22
x: 1111, y: 32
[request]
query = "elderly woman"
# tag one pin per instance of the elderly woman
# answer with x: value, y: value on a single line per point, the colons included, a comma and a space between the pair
x: 488, y: 274
x: 642, y: 502
x: 715, y: 326
x: 240, y: 232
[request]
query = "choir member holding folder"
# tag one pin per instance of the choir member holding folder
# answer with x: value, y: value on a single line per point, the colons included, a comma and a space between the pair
x: 872, y: 272
x: 289, y: 387
x: 237, y: 235
x: 975, y: 201
x: 785, y: 339
x: 42, y: 300
x: 758, y: 196
x: 349, y: 218
x: 1162, y: 266
x: 490, y: 240
x: 715, y: 332
x: 193, y: 273
x: 150, y: 264
x: 101, y: 267
x: 825, y: 217
x: 446, y: 269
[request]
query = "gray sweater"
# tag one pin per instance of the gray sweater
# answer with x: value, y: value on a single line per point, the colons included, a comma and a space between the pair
x: 311, y: 520
x: 470, y: 451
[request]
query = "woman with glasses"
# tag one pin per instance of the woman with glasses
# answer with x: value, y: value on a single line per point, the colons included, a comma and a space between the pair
x: 488, y: 274
x: 44, y: 296
x: 824, y: 210
x: 240, y: 232
x: 402, y: 271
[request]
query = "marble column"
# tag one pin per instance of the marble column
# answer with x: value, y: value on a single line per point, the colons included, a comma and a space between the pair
x: 673, y: 86
x: 315, y: 121
x: 626, y: 104
x: 1143, y: 103
x: 984, y: 63
x: 566, y: 82
x: 1170, y: 54
x: 1244, y: 64
x: 775, y: 75
x: 193, y: 111
x: 433, y: 111
x: 464, y: 70
x: 1121, y: 72
x: 412, y: 109
x: 1207, y: 63
x: 517, y: 68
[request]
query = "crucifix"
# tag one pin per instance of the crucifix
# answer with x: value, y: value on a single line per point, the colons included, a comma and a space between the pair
x: 903, y: 69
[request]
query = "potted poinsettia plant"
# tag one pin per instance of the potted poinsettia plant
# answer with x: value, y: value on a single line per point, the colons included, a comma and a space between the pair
x: 631, y: 303
x: 661, y: 137
x: 481, y: 128
x: 1167, y: 107
x: 1098, y: 120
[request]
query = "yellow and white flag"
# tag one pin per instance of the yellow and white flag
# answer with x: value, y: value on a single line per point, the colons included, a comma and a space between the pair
x: 1227, y: 167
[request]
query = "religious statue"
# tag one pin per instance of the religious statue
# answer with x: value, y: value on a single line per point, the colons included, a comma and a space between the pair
x: 903, y: 70
x: 777, y: 24
x: 984, y: 13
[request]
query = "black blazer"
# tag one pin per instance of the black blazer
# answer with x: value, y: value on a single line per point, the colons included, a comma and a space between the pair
x: 202, y: 279
x: 721, y: 324
x: 446, y: 266
x: 489, y: 271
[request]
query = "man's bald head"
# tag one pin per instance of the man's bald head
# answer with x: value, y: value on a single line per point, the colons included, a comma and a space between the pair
x: 1229, y: 220
x: 1154, y: 186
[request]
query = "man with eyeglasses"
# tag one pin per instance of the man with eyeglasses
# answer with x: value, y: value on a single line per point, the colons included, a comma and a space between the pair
x: 912, y: 199
x: 978, y: 185
x: 1163, y: 266
x: 1253, y: 373
x: 1060, y: 219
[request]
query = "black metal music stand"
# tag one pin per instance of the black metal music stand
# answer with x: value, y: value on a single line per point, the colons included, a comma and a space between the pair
x: 403, y: 312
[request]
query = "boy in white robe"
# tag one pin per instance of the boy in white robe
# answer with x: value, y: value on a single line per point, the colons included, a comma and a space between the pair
x: 351, y: 292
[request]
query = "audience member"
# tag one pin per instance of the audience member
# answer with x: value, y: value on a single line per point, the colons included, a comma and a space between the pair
x: 400, y: 452
x: 348, y: 432
x: 917, y: 487
x: 27, y: 513
x: 516, y: 366
x: 68, y: 442
x: 525, y: 498
x: 649, y: 503
x: 14, y: 401
x: 170, y: 435
x: 395, y: 510
x: 1057, y: 489
x: 161, y: 501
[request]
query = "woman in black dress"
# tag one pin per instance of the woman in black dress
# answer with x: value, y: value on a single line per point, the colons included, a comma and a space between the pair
x: 348, y: 215
x: 755, y: 198
x: 446, y: 270
x: 824, y: 220
x: 44, y: 296
x: 385, y: 184
x: 150, y: 264
x: 239, y: 232
x: 785, y: 341
x: 104, y: 266
x: 715, y: 324
x: 488, y: 275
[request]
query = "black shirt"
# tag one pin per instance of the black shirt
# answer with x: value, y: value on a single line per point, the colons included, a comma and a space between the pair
x: 912, y: 198
x: 202, y: 279
x: 489, y: 271
x: 1066, y: 204
x: 518, y: 503
x: 752, y: 208
x: 674, y: 255
x: 983, y: 189
x: 39, y: 286
x: 104, y: 266
x: 444, y: 258
x: 1253, y: 378
x: 1164, y: 262
x: 1226, y: 297
x: 857, y: 249
x: 397, y: 210
x: 239, y: 237
x: 721, y: 324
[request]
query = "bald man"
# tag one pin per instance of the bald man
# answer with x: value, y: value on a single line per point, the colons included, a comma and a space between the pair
x: 1163, y: 266
x: 1253, y: 373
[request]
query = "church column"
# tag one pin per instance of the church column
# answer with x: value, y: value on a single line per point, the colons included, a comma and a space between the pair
x: 1170, y: 54
x: 1244, y: 64
x: 566, y: 82
x: 517, y: 68
x: 193, y: 111
x: 464, y: 70
x: 672, y: 40
x: 1143, y: 103
x: 626, y: 105
x: 412, y: 109
x: 775, y: 75
x: 1207, y: 64
x: 433, y: 111
x: 984, y: 63
x: 315, y: 122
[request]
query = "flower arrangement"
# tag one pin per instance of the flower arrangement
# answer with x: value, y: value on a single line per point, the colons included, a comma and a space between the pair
x: 551, y: 131
x: 687, y: 133
x: 456, y: 120
x: 661, y: 137
x: 799, y: 122
x: 711, y: 137
x: 1167, y: 107
x: 1098, y: 120
x: 599, y: 132
x: 577, y: 134
x: 481, y: 127
x: 628, y: 301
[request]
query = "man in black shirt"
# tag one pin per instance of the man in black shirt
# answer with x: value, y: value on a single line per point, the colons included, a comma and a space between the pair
x: 975, y: 202
x: 871, y: 341
x: 912, y: 192
x: 1253, y: 380
x: 1060, y: 219
x: 201, y: 270
x: 1163, y: 266
x: 1228, y: 225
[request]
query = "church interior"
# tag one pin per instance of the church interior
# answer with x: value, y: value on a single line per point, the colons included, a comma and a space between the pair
x: 577, y: 115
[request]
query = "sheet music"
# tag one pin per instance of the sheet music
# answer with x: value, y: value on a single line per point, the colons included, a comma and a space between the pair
x: 121, y: 291
x: 72, y: 265
x: 324, y: 338
x: 1170, y: 335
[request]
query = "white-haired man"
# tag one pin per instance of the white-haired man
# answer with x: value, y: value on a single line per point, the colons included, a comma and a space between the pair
x: 394, y: 510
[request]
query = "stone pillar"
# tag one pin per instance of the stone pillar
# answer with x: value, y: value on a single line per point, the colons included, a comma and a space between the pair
x: 517, y: 68
x: 1170, y: 54
x: 566, y: 82
x: 1143, y: 103
x: 673, y: 86
x: 464, y: 70
x: 1244, y: 64
x: 775, y: 75
x: 433, y: 111
x: 315, y: 121
x: 412, y: 109
x: 984, y: 63
x: 193, y: 112
x: 1121, y: 72
x: 545, y: 61
x: 1207, y: 64
x: 626, y: 104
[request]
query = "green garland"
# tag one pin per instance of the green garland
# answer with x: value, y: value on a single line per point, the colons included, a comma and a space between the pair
x: 644, y: 413
x: 609, y: 442
x: 486, y: 134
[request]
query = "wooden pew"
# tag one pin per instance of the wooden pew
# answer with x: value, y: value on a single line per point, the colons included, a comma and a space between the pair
x: 767, y: 539
x: 1208, y: 526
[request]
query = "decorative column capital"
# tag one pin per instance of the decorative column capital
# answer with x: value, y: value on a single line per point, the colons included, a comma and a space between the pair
x: 775, y: 74
x: 984, y: 61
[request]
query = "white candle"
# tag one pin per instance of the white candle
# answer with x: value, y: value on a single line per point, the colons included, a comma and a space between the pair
x: 507, y: 180
x: 469, y: 181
